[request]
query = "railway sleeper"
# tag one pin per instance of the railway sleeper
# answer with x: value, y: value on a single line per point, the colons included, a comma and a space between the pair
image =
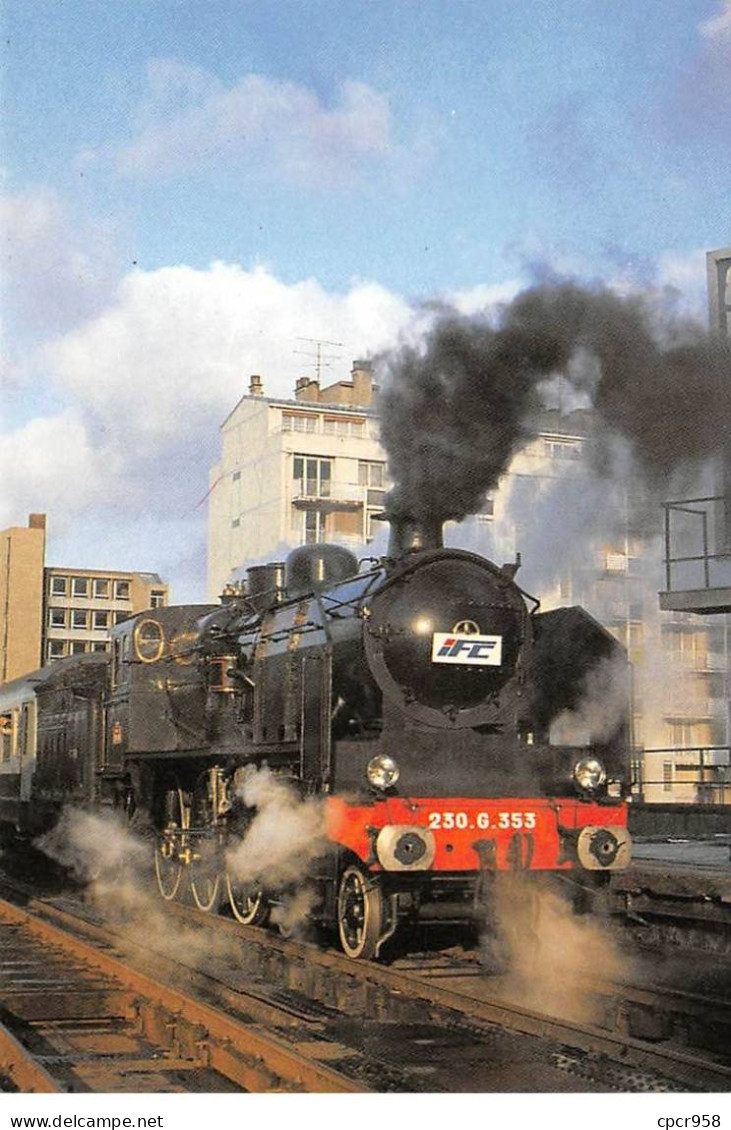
x: 191, y: 1042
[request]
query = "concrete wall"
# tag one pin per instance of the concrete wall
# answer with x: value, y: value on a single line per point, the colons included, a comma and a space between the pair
x: 684, y: 821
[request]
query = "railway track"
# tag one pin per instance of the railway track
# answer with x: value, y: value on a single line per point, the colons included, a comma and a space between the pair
x: 74, y: 1017
x: 426, y: 1025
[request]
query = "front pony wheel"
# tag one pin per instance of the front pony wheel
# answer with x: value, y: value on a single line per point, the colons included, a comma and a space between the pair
x: 360, y: 913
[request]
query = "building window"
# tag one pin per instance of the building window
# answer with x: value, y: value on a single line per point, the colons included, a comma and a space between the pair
x: 78, y: 647
x: 157, y: 599
x: 59, y: 586
x: 99, y: 645
x: 57, y: 618
x: 342, y: 426
x: 236, y: 476
x: 371, y: 474
x: 374, y: 524
x: 716, y: 687
x: 336, y: 426
x: 562, y: 449
x: 56, y: 650
x: 682, y: 735
x: 235, y: 523
x: 80, y: 619
x: 101, y: 588
x: 101, y: 621
x: 298, y: 423
x: 667, y: 776
x: 120, y: 617
x: 313, y: 477
x: 121, y: 590
x: 314, y: 527
x: 80, y: 586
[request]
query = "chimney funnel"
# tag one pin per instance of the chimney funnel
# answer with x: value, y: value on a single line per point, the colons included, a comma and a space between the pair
x: 412, y: 535
x: 256, y: 386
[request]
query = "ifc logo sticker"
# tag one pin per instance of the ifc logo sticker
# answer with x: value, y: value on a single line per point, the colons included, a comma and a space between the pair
x: 467, y: 649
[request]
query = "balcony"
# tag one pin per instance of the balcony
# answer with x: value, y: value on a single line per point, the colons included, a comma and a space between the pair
x: 697, y: 579
x: 329, y: 495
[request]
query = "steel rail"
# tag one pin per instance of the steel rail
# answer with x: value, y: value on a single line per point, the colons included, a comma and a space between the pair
x: 22, y: 1069
x: 226, y: 1040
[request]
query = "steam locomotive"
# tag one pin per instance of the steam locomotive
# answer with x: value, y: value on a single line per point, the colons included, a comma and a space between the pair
x: 412, y: 698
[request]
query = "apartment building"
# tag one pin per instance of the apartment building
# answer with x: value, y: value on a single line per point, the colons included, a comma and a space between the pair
x: 50, y: 612
x: 81, y: 605
x: 294, y: 472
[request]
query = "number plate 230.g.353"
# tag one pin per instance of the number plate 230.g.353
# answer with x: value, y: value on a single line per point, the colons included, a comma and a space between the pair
x: 500, y: 821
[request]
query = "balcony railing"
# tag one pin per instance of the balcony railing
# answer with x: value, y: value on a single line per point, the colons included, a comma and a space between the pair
x: 704, y: 517
x: 330, y: 493
x: 701, y: 774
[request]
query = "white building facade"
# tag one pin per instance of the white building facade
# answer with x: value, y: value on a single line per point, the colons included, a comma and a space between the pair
x: 295, y: 472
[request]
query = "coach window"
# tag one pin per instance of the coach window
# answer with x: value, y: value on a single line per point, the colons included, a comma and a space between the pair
x: 80, y: 586
x: 6, y: 735
x: 25, y: 733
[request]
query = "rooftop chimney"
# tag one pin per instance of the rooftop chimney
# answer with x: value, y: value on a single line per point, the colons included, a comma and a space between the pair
x: 362, y: 378
x: 36, y: 521
x: 256, y: 386
x: 307, y: 389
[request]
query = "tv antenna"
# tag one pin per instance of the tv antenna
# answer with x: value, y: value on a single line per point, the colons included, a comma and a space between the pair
x: 321, y: 360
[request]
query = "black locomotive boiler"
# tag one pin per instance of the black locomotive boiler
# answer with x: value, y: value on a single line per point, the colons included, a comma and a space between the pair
x: 414, y: 698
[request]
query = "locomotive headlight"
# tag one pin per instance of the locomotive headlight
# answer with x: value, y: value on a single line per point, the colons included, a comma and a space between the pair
x: 589, y: 773
x: 382, y: 772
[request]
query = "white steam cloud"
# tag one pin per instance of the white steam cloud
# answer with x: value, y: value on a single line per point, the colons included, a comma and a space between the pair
x: 93, y: 845
x: 603, y: 705
x: 285, y: 836
x: 553, y: 957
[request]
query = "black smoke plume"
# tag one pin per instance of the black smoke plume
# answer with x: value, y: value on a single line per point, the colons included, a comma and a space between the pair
x: 454, y: 411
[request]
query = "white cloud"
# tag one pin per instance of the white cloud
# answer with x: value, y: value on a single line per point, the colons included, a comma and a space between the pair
x: 718, y: 26
x: 55, y: 271
x: 685, y: 273
x: 50, y: 464
x: 259, y: 125
x: 172, y: 355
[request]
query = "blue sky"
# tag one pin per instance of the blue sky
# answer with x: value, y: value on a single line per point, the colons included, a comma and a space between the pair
x: 340, y: 163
